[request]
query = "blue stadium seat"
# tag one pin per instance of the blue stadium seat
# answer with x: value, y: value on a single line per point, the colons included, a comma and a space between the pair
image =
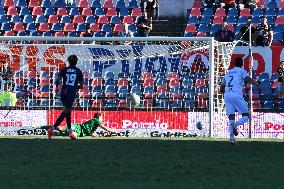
x: 136, y: 89
x: 6, y: 27
x: 99, y: 34
x: 49, y: 11
x: 57, y: 103
x: 193, y: 20
x: 74, y: 11
x: 44, y: 74
x: 176, y: 103
x: 15, y: 19
x: 97, y: 92
x: 108, y: 74
x: 278, y: 36
x: 271, y: 20
x: 266, y: 87
x: 45, y: 102
x: 205, y: 19
x: 28, y: 19
x: 215, y: 28
x: 56, y: 27
x: 208, y: 12
x: 272, y: 5
x: 109, y: 34
x: 110, y: 103
x: 123, y: 12
x: 40, y: 19
x: 136, y: 82
x: 204, y: 28
x: 96, y: 4
x: 256, y: 19
x: 19, y: 87
x: 110, y: 89
x: 132, y: 28
x: 46, y: 34
x: 21, y: 3
x: 84, y: 103
x: 44, y: 88
x: 106, y: 28
x: 162, y: 103
x: 90, y: 20
x: 257, y: 12
x: 263, y: 76
x: 149, y: 89
x: 81, y: 27
x: 174, y: 89
x: 24, y: 11
x: 271, y: 12
x: 115, y: 20
x: 2, y: 11
x: 122, y: 91
x: 132, y: 4
x: 59, y: 4
x: 32, y: 102
x: 73, y: 34
x: 120, y: 4
x: 190, y: 104
x: 97, y: 74
x: 161, y: 82
x: 187, y: 83
x: 233, y: 12
x: 109, y: 81
x: 99, y: 12
x: 281, y: 105
x: 46, y: 4
x: 4, y: 19
x: 242, y: 20
x: 23, y: 33
x: 268, y: 105
x: 65, y: 19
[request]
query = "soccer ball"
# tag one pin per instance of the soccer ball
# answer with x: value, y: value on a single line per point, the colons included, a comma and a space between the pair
x: 134, y: 100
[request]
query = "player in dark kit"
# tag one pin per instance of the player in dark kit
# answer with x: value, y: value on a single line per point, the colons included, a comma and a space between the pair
x: 72, y: 81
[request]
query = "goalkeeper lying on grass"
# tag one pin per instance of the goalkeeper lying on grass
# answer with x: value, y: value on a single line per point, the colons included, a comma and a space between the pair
x: 85, y: 129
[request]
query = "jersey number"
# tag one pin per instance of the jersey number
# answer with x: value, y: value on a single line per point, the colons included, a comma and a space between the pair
x: 71, y: 78
x: 230, y: 82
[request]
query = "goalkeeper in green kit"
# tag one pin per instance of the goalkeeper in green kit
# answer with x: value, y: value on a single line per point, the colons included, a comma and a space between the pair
x: 86, y: 129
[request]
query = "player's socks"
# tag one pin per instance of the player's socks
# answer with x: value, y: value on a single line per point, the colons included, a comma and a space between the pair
x: 242, y: 120
x: 59, y: 119
x: 231, y: 130
x: 68, y: 120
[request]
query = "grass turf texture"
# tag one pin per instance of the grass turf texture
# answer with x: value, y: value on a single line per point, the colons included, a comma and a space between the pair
x: 140, y: 163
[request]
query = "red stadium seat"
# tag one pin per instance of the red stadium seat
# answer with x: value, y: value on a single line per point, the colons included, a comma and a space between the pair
x: 86, y: 74
x: 31, y: 74
x: 245, y: 12
x: 231, y: 27
x: 161, y: 90
x: 83, y: 4
x: 68, y: 27
x: 279, y: 20
x: 256, y: 104
x: 148, y: 103
x: 95, y: 27
x: 176, y: 96
x: 78, y: 19
x: 122, y: 82
x: 108, y: 4
x: 62, y: 12
x: 201, y: 34
x: 12, y: 11
x: 118, y: 27
x: 53, y: 19
x: 218, y: 20
x: 147, y: 75
x: 136, y: 12
x: 173, y: 75
x: 84, y: 92
x: 44, y: 27
x: 201, y: 103
x: 111, y: 12
x: 220, y: 12
x: 261, y: 4
x: 9, y: 3
x: 97, y: 103
x: 34, y: 3
x: 9, y: 33
x: 190, y: 28
x: 44, y: 81
x: 37, y: 11
x: 128, y: 20
x: 174, y: 82
x: 122, y: 103
x: 148, y: 82
x: 97, y: 81
x: 19, y: 80
x: 19, y: 27
x: 103, y: 20
x: 20, y: 103
x: 197, y: 4
x: 195, y: 12
x: 199, y: 83
x: 59, y: 34
x: 87, y: 12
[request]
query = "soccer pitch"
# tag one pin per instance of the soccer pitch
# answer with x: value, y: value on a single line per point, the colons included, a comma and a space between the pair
x: 87, y: 163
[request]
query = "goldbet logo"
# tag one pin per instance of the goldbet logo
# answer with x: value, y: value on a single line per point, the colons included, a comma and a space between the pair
x: 274, y: 127
x: 10, y: 124
x: 144, y: 125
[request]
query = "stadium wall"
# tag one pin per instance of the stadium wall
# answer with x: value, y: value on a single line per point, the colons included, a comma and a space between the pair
x: 143, y: 123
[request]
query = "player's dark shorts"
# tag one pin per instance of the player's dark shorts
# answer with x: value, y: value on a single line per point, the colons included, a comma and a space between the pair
x: 67, y: 102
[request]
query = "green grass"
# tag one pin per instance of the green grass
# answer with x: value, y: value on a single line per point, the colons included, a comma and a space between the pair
x: 140, y: 163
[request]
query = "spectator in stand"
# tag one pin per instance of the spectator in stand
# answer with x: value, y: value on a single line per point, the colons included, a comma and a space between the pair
x: 263, y: 34
x: 280, y: 73
x: 126, y: 32
x: 151, y: 5
x: 243, y: 35
x: 6, y: 75
x: 88, y: 33
x: 144, y: 25
x: 224, y: 34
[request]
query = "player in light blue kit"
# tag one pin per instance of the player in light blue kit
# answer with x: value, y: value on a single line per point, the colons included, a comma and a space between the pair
x: 232, y: 86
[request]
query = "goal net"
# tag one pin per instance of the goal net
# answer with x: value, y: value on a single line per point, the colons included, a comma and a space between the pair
x: 177, y: 80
